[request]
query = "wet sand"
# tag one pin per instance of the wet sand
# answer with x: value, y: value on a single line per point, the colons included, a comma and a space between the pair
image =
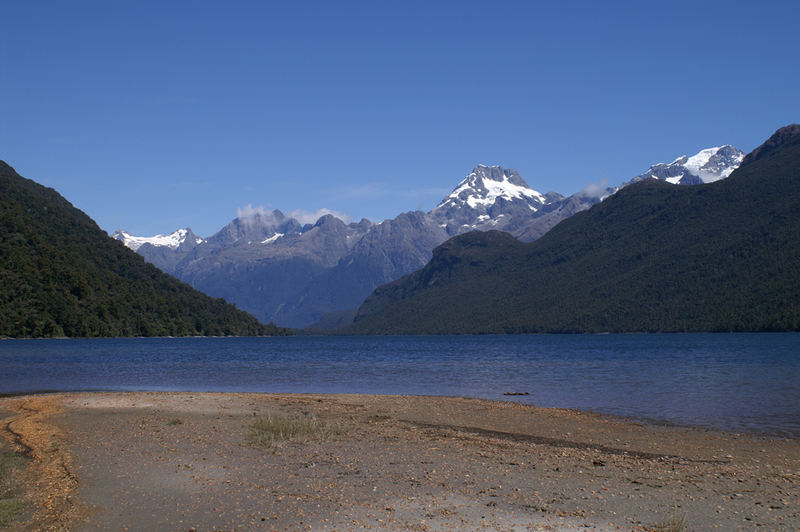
x: 181, y: 461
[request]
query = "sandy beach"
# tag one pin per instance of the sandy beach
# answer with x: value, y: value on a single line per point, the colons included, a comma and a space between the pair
x: 183, y: 461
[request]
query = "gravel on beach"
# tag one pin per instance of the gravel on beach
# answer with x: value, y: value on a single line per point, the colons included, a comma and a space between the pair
x: 183, y: 461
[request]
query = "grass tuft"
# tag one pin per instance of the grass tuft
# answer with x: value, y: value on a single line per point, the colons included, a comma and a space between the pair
x: 10, y: 509
x: 7, y: 463
x: 10, y: 505
x: 268, y: 431
x: 674, y: 522
x: 174, y: 421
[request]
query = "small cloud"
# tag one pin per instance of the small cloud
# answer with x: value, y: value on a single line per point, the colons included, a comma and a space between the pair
x: 306, y: 217
x: 595, y: 190
x: 249, y: 211
x: 251, y: 216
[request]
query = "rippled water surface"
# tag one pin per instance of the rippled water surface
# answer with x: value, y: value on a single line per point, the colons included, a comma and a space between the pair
x: 739, y: 382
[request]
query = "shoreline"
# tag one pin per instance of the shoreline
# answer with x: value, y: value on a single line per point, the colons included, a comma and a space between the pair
x: 101, y: 458
x: 509, y: 398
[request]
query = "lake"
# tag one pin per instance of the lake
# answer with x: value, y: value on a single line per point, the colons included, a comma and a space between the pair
x: 735, y: 382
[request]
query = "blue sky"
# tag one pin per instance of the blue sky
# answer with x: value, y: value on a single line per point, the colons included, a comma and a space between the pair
x: 150, y: 116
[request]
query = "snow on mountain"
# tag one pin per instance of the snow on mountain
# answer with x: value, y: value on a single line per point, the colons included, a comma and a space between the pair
x: 272, y: 239
x: 172, y: 240
x: 490, y: 197
x: 486, y: 184
x: 706, y: 166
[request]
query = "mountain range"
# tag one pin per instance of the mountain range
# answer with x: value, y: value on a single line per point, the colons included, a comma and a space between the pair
x: 654, y: 257
x: 61, y: 275
x: 297, y: 274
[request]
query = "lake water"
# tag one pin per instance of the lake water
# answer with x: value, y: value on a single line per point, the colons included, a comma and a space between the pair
x: 737, y: 382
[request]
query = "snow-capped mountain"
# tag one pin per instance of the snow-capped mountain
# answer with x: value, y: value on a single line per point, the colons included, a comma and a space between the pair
x: 490, y: 197
x: 255, y: 226
x: 172, y: 240
x: 487, y: 184
x: 165, y: 251
x: 706, y: 166
x: 292, y: 274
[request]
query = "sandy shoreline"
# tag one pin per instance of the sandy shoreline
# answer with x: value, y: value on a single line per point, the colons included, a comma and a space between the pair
x: 180, y: 461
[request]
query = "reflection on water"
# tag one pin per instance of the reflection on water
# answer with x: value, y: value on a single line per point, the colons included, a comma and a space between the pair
x: 739, y: 382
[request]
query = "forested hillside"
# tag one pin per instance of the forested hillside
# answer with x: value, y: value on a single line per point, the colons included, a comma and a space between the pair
x: 61, y: 275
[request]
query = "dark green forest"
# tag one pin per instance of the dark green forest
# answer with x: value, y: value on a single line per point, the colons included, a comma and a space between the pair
x: 654, y: 257
x: 61, y: 275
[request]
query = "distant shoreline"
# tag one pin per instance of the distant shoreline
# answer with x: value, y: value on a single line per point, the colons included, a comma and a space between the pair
x: 302, y: 333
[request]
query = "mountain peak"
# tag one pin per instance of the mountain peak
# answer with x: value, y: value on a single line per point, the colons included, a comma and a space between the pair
x: 499, y: 174
x: 706, y: 166
x: 486, y: 184
x: 329, y: 220
x: 172, y: 240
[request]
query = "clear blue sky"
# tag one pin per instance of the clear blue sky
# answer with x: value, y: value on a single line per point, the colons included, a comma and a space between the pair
x: 150, y: 116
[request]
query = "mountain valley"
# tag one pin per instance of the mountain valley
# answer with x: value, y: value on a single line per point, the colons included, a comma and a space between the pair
x: 297, y: 274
